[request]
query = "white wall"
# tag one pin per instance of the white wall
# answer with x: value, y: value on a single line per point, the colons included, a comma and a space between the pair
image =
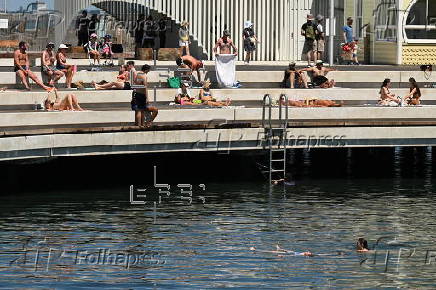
x: 277, y: 22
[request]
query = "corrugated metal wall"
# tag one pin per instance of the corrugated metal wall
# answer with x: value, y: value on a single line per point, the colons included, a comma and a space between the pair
x: 277, y: 22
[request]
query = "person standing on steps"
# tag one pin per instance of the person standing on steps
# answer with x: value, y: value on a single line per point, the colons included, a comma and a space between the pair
x: 320, y: 36
x: 82, y: 27
x: 184, y: 38
x: 250, y: 40
x: 139, y: 101
x: 309, y: 31
x: 225, y: 61
x: 162, y: 32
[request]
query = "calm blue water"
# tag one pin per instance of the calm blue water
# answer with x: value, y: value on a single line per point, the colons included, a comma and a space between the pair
x: 208, y: 245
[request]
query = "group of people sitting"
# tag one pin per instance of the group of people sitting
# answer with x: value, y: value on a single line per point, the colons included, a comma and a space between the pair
x: 294, y: 78
x: 53, y: 65
x: 184, y: 97
x: 97, y: 49
x: 387, y: 98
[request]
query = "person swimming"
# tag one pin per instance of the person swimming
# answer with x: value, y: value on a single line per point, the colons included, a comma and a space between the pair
x: 281, y: 251
x: 362, y: 245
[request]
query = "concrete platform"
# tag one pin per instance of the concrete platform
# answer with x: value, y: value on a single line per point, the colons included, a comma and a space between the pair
x: 207, y: 140
x: 339, y: 116
x: 265, y: 78
x: 23, y: 100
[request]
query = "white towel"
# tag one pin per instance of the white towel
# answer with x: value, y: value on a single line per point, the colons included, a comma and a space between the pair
x: 225, y: 70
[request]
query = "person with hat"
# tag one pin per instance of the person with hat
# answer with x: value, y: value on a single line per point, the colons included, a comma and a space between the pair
x: 309, y: 31
x: 184, y: 38
x: 206, y: 98
x: 22, y: 67
x: 320, y: 36
x: 63, y: 66
x: 225, y: 61
x: 93, y: 48
x: 48, y: 67
x: 319, y: 75
x: 250, y: 40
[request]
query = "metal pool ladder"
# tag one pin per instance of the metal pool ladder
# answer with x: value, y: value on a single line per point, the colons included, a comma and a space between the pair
x: 275, y: 136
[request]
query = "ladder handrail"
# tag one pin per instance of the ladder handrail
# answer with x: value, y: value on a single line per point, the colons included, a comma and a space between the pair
x: 286, y: 99
x: 265, y: 98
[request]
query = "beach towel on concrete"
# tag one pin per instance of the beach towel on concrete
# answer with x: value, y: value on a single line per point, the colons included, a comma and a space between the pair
x: 225, y: 70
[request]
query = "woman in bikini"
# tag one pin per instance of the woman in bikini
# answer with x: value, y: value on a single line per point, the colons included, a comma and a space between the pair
x: 122, y: 82
x: 414, y: 96
x: 205, y: 97
x: 386, y: 97
x: 63, y: 66
x: 55, y: 103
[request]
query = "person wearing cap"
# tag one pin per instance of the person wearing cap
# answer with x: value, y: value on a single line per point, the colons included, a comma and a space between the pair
x: 184, y: 38
x: 319, y: 75
x: 250, y: 40
x: 48, y: 67
x: 348, y: 31
x: 309, y: 31
x: 320, y: 42
x: 293, y: 78
x: 22, y: 67
x: 184, y: 96
x: 93, y: 49
x: 63, y: 66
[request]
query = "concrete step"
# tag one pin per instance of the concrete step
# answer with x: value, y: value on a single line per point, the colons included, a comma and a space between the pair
x: 165, y: 96
x: 332, y: 116
x: 250, y: 77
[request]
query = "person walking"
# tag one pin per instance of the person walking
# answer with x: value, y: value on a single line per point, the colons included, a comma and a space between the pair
x: 309, y: 31
x: 320, y: 38
x: 184, y: 38
x: 250, y: 40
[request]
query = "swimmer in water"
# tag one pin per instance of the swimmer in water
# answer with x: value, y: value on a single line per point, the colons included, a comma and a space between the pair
x: 281, y: 251
x: 362, y: 245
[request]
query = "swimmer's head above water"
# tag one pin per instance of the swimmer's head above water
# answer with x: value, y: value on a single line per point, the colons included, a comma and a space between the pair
x: 362, y: 245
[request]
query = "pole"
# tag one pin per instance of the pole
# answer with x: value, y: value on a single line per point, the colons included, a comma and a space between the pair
x: 400, y: 15
x: 332, y: 29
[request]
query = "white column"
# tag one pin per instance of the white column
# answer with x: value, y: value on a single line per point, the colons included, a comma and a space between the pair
x: 400, y: 32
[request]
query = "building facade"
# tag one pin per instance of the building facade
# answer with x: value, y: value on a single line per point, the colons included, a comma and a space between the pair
x: 398, y: 31
x: 277, y: 22
x: 390, y: 31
